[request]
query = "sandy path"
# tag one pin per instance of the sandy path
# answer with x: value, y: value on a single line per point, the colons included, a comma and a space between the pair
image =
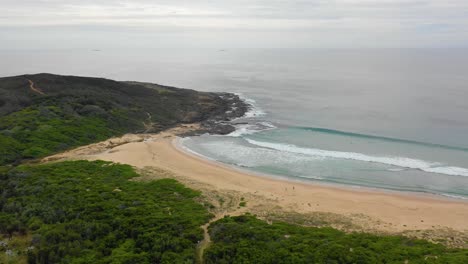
x: 390, y: 211
x: 34, y: 89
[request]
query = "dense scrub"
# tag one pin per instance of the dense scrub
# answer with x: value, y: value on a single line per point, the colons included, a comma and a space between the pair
x: 89, y: 212
x: 74, y: 111
x: 92, y: 212
x: 245, y: 239
x: 39, y: 131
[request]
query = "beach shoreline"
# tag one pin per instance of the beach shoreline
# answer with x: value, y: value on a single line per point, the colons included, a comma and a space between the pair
x: 374, y: 210
x: 178, y: 145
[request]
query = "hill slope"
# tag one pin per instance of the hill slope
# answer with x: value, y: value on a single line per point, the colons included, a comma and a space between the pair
x: 44, y: 113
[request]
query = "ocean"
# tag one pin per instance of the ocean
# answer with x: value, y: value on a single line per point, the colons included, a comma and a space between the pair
x: 394, y: 119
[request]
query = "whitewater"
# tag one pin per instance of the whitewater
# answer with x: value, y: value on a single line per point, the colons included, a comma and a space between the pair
x: 394, y: 161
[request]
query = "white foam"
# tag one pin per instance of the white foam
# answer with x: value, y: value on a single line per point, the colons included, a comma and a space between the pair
x: 180, y: 143
x: 267, y: 125
x: 242, y: 130
x: 403, y: 162
x: 454, y: 196
x: 396, y: 169
x: 248, y: 129
x: 254, y: 110
x: 246, y: 156
x: 449, y: 170
x: 309, y: 177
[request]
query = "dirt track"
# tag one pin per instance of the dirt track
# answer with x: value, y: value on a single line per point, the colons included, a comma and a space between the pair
x: 34, y: 89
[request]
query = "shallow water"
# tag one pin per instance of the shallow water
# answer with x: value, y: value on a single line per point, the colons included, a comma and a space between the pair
x: 284, y: 152
x: 393, y: 119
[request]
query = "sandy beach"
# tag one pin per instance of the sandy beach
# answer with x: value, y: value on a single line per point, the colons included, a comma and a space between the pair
x: 394, y: 212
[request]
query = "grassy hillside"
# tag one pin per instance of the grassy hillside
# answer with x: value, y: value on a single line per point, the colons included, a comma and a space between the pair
x: 44, y: 113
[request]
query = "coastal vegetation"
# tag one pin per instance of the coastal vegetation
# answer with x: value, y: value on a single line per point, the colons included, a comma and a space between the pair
x: 39, y: 131
x: 92, y: 212
x: 246, y: 239
x: 97, y: 212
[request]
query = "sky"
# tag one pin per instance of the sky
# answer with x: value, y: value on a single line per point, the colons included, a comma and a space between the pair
x: 64, y: 24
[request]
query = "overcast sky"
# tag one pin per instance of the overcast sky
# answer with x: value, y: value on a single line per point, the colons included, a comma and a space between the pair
x: 28, y: 24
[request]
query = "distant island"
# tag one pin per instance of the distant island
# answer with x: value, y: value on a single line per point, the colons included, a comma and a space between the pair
x: 91, y: 172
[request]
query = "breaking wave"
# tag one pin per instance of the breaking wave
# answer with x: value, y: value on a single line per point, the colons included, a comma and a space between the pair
x: 403, y: 162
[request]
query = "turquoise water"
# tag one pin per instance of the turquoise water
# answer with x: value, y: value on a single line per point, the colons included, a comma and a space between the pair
x: 383, y: 118
x: 330, y: 156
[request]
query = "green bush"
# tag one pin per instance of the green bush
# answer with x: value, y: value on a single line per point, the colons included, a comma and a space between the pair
x: 89, y: 212
x: 10, y: 150
x: 32, y: 133
x: 246, y: 239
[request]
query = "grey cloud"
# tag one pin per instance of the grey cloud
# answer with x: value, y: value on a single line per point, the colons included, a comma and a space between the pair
x: 325, y: 23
